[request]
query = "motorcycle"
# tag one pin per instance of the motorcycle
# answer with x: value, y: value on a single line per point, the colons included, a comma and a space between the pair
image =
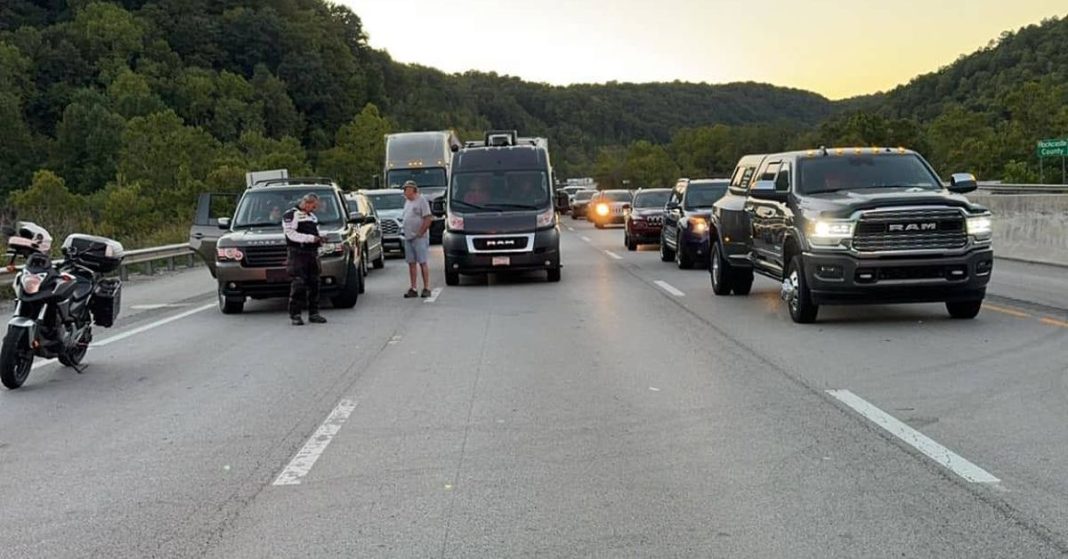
x: 57, y: 305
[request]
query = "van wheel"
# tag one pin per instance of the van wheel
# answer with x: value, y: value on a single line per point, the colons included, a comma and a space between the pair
x: 553, y: 275
x: 720, y: 271
x: 964, y: 310
x: 797, y: 294
x: 230, y: 305
x: 666, y: 254
x: 451, y: 277
x: 351, y: 292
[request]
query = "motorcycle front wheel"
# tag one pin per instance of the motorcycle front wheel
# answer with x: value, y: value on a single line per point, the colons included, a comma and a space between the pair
x: 16, y: 358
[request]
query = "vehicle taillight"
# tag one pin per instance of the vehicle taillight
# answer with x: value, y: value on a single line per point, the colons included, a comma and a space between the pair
x: 455, y: 223
x: 229, y: 254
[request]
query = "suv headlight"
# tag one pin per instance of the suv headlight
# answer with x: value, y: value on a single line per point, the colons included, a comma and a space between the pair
x: 698, y: 225
x: 229, y: 254
x: 331, y: 249
x: 830, y: 232
x: 981, y: 227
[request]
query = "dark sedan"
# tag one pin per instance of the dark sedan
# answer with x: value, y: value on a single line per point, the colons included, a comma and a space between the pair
x: 580, y: 201
x: 646, y: 217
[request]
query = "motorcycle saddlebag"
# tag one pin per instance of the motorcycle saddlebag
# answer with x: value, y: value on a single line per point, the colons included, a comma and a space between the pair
x: 105, y: 303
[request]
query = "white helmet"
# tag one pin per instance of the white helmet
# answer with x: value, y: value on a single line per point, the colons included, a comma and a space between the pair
x: 32, y: 236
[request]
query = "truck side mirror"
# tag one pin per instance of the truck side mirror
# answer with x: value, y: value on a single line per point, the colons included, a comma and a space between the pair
x: 962, y: 183
x: 224, y: 223
x: 765, y: 190
x: 437, y: 207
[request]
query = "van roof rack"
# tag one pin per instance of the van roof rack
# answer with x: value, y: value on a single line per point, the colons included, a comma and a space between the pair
x: 295, y: 180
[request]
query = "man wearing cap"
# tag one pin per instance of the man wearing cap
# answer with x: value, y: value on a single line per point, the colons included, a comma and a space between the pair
x: 417, y: 219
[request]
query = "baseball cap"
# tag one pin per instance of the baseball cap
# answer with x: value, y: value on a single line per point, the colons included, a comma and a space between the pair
x: 410, y: 184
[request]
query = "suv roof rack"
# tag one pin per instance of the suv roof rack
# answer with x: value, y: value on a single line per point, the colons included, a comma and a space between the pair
x: 295, y: 180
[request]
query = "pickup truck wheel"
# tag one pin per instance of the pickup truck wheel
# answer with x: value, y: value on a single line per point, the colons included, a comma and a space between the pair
x: 230, y: 305
x: 964, y: 310
x: 682, y: 258
x: 797, y: 294
x: 350, y: 293
x: 743, y: 282
x: 666, y: 254
x: 720, y: 271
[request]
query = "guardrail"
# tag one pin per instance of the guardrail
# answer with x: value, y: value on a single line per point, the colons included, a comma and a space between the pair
x: 167, y: 255
x: 1008, y: 189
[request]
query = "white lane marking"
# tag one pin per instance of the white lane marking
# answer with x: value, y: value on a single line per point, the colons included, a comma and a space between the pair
x: 434, y: 295
x: 570, y: 228
x: 309, y: 454
x: 669, y: 288
x: 151, y: 326
x: 654, y: 389
x: 158, y: 306
x: 613, y: 255
x: 585, y: 238
x: 928, y: 447
x: 395, y: 340
x: 133, y: 332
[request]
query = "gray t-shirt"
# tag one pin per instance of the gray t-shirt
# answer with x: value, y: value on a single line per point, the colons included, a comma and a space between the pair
x: 414, y: 212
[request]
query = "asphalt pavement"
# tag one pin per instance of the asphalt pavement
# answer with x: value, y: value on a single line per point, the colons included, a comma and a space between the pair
x: 624, y: 412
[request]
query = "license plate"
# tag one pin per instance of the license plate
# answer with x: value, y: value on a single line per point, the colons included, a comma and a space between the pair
x: 277, y: 276
x: 502, y: 261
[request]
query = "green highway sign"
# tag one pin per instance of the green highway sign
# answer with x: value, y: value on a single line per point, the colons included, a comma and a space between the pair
x: 1052, y: 148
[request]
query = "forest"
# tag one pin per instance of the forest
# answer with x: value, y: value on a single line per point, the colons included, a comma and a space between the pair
x: 117, y: 113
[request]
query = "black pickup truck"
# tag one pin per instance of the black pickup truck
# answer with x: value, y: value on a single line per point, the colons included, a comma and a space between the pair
x: 852, y: 226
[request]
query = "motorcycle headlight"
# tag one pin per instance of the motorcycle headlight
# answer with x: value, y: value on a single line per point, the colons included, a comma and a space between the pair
x: 30, y: 283
x: 980, y: 226
x: 330, y: 249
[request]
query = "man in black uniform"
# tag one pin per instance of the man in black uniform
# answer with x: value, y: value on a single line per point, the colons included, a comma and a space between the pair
x: 302, y: 239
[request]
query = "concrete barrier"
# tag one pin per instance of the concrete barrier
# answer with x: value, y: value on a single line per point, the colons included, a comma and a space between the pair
x: 1031, y: 227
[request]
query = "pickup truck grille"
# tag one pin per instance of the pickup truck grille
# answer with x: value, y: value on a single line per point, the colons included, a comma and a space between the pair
x: 390, y: 227
x: 273, y: 256
x: 909, y: 230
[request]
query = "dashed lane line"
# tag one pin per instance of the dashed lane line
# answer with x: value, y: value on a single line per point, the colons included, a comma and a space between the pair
x: 434, y: 295
x: 928, y: 447
x: 669, y: 288
x: 613, y: 255
x: 585, y: 238
x: 309, y: 454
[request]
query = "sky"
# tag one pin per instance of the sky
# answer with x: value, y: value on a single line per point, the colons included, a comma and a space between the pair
x: 835, y: 48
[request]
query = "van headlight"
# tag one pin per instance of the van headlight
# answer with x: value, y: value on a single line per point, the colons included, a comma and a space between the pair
x: 981, y: 227
x: 831, y: 232
x: 547, y: 218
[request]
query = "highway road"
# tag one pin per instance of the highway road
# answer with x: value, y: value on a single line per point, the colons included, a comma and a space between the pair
x: 624, y: 412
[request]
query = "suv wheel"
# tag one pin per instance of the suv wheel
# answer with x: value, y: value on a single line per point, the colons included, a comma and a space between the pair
x: 630, y: 243
x: 350, y: 293
x: 720, y: 271
x: 682, y: 258
x: 363, y: 262
x: 380, y: 262
x: 666, y: 254
x: 797, y: 294
x: 964, y: 310
x: 230, y: 305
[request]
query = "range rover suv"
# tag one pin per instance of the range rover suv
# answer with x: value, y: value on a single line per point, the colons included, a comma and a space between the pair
x: 852, y: 225
x: 246, y: 250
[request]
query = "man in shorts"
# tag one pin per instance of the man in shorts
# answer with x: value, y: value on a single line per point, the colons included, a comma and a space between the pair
x: 417, y: 219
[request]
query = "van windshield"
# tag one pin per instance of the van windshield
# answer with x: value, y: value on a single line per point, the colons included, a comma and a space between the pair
x: 857, y: 172
x: 264, y: 208
x: 500, y: 190
x: 422, y: 177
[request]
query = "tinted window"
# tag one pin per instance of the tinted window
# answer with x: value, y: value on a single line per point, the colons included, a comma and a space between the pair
x: 782, y: 180
x: 584, y: 195
x: 652, y: 199
x: 422, y: 177
x: 387, y: 201
x: 703, y: 195
x: 264, y: 208
x: 856, y: 172
x: 519, y: 190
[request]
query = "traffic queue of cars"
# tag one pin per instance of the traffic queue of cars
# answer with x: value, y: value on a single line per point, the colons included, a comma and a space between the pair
x: 830, y: 226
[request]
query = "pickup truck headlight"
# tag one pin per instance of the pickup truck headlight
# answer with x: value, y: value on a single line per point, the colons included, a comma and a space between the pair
x: 331, y: 249
x: 829, y: 233
x: 981, y: 226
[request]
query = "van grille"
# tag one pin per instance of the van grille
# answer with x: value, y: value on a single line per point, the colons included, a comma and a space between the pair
x: 907, y: 230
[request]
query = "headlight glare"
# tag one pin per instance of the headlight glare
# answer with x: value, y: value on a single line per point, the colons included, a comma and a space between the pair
x: 980, y: 226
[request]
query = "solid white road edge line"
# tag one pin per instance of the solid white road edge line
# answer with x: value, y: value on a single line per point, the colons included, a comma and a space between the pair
x: 133, y: 332
x: 433, y: 295
x: 613, y: 255
x: 309, y: 454
x: 947, y: 458
x: 669, y: 288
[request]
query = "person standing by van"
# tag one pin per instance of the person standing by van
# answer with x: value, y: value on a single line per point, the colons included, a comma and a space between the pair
x: 417, y: 218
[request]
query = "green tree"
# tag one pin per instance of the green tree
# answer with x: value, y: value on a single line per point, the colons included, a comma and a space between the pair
x: 49, y: 203
x: 359, y: 151
x: 131, y: 95
x: 87, y: 145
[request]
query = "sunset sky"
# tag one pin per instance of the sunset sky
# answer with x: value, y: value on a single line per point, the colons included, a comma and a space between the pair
x: 839, y: 49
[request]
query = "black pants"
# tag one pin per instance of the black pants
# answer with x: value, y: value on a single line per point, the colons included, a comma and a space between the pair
x: 304, y: 269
